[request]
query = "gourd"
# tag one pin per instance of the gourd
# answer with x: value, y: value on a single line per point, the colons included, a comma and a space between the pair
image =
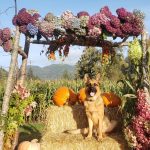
x: 81, y: 95
x: 135, y: 51
x: 27, y: 145
x: 110, y: 99
x: 61, y: 96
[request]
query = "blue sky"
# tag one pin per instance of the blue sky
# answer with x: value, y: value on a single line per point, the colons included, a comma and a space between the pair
x: 57, y: 7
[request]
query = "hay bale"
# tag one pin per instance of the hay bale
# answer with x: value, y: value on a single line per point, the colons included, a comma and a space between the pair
x: 64, y: 118
x: 61, y: 141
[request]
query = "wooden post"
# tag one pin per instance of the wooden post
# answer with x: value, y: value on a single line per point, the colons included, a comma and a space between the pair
x: 9, y: 85
x: 145, y: 81
x: 24, y: 61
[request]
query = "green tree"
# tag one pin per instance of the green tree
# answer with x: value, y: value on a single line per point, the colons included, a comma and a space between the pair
x: 90, y: 62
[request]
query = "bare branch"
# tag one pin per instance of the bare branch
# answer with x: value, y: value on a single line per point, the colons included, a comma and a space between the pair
x: 5, y: 11
x: 22, y: 53
x: 122, y: 43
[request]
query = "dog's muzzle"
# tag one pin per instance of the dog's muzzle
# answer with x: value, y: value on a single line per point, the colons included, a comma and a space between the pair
x: 92, y: 91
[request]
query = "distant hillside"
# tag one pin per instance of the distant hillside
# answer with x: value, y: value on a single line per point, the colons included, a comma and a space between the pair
x: 51, y: 72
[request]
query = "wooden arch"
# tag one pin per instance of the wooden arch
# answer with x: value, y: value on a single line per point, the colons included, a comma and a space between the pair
x: 99, y: 25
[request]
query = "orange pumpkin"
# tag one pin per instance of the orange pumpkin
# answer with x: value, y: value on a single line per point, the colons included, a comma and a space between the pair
x: 72, y: 97
x: 61, y: 96
x: 110, y: 99
x: 26, y: 145
x: 81, y: 95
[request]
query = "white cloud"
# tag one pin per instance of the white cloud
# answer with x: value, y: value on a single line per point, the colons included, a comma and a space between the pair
x: 41, y: 60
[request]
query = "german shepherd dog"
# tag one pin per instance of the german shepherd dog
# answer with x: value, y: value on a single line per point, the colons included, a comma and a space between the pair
x: 94, y: 108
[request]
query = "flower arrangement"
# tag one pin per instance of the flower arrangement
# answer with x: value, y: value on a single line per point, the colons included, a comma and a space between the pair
x: 138, y: 131
x: 46, y: 28
x: 80, y: 26
x: 5, y: 39
x: 23, y: 18
x: 124, y: 24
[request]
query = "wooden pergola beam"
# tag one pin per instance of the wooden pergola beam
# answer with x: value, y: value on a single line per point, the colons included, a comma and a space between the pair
x: 81, y: 41
x: 22, y: 53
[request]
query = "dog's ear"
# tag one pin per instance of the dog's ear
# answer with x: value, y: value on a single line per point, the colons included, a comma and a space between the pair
x: 98, y: 77
x: 86, y: 78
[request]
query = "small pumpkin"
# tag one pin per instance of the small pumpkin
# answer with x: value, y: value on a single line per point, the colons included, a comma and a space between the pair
x: 27, y: 145
x: 73, y: 97
x: 110, y: 99
x: 61, y: 96
x: 81, y: 95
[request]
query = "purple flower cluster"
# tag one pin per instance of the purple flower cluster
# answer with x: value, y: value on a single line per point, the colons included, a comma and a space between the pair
x: 115, y: 22
x: 7, y: 46
x: 105, y: 10
x: 97, y: 21
x: 143, y: 107
x: 139, y: 121
x: 5, y: 34
x: 126, y: 28
x: 123, y: 25
x: 95, y: 32
x: 46, y: 28
x: 23, y: 18
x: 131, y: 23
x: 67, y: 20
x: 5, y: 39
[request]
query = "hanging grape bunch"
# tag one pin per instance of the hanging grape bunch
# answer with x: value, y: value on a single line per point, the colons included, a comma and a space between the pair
x: 135, y: 51
x: 66, y: 50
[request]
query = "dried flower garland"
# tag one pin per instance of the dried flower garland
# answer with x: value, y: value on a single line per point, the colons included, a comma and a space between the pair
x: 5, y: 39
x: 138, y: 132
x: 123, y: 25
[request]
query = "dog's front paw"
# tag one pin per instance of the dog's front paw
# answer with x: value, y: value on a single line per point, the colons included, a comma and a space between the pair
x: 99, y: 139
x: 88, y: 137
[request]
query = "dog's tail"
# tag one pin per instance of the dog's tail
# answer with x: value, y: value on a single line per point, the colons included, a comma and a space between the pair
x: 109, y: 125
x: 77, y: 131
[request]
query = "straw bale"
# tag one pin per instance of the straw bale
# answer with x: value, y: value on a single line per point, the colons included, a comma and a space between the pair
x: 64, y: 118
x: 62, y: 141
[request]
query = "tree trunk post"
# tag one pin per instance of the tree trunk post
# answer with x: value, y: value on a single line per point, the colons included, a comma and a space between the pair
x: 145, y: 81
x: 9, y: 85
x: 24, y: 61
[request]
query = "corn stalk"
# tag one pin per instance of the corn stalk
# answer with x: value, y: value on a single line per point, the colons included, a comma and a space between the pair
x: 145, y: 81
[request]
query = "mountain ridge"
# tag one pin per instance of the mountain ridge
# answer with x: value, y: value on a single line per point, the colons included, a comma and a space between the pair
x: 51, y: 72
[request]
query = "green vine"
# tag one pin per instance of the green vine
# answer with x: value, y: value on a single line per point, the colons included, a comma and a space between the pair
x: 15, y: 117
